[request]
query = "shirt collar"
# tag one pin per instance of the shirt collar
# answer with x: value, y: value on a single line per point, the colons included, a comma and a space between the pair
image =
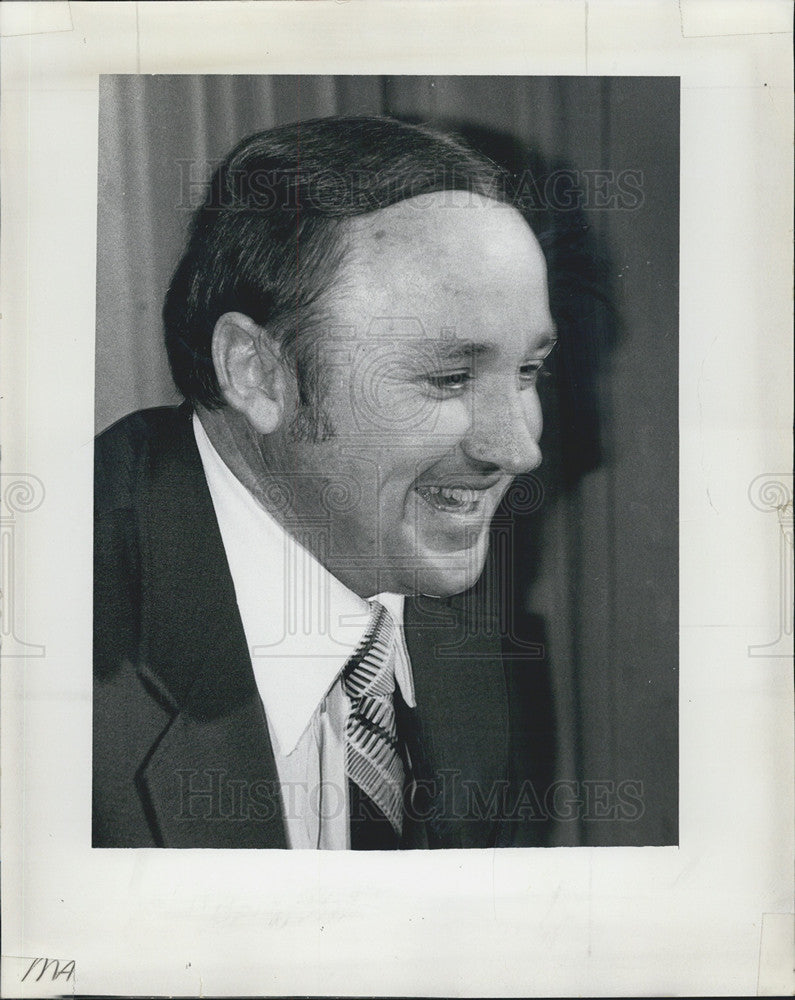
x: 301, y: 623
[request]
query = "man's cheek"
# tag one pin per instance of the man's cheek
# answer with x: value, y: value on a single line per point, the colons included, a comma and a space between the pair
x: 415, y: 421
x: 438, y: 436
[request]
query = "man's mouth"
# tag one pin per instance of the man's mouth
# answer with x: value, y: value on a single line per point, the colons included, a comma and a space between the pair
x: 452, y: 499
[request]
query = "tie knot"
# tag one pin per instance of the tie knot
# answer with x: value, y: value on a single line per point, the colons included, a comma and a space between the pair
x: 370, y: 669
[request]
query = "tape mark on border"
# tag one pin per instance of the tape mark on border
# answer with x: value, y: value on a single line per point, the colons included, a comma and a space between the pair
x: 23, y: 17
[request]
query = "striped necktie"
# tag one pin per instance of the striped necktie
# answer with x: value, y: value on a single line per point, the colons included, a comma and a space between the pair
x: 372, y: 760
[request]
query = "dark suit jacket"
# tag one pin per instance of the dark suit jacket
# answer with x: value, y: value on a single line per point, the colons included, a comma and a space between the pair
x: 182, y: 756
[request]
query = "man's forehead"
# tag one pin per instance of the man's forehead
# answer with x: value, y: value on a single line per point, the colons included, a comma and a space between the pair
x: 454, y: 244
x: 440, y: 218
x: 441, y: 264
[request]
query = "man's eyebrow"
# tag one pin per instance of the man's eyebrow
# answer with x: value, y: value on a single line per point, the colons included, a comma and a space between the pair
x: 452, y: 349
x: 458, y: 350
x: 548, y: 341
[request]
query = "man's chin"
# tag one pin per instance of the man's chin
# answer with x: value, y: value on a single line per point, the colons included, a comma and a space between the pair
x: 445, y: 581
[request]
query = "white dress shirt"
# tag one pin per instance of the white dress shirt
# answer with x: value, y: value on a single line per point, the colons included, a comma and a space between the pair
x: 301, y: 625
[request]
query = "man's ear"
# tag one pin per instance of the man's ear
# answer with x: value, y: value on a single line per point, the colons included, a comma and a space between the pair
x: 248, y: 366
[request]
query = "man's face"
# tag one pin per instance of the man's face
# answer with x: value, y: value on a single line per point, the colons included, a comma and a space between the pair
x: 428, y: 360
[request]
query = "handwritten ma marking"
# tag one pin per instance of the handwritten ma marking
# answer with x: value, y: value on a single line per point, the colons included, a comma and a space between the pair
x: 67, y: 970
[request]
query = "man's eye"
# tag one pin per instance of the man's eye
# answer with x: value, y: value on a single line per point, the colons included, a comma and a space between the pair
x: 451, y: 381
x: 530, y: 373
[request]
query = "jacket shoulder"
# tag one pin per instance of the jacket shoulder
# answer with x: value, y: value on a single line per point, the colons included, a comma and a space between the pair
x: 121, y: 451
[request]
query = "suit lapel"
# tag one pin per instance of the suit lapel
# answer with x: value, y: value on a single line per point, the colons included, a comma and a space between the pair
x: 211, y: 780
x: 458, y: 735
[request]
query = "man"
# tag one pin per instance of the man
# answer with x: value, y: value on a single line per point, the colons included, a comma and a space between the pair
x: 357, y: 325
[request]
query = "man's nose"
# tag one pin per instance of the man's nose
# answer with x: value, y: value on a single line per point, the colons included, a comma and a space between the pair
x: 505, y: 430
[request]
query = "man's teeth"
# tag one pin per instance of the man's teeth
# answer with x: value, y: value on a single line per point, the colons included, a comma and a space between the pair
x: 453, y: 495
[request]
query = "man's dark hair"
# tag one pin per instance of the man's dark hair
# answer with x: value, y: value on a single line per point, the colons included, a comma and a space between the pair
x: 266, y: 241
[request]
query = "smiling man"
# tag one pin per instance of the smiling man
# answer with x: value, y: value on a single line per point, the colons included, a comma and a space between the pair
x: 358, y: 326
